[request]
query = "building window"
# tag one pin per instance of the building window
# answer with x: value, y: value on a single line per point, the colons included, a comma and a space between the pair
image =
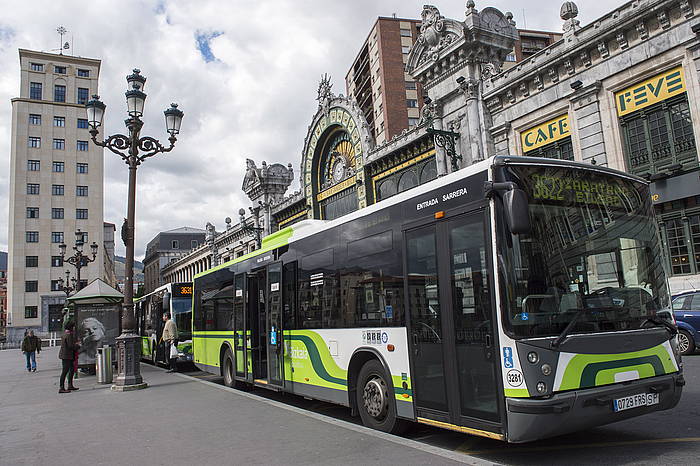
x: 83, y: 73
x: 413, y: 122
x: 56, y: 236
x: 30, y: 312
x: 32, y: 212
x: 33, y: 165
x: 405, y: 32
x: 83, y: 95
x: 59, y: 167
x: 32, y: 236
x: 56, y: 261
x: 81, y: 214
x: 59, y: 121
x: 175, y: 244
x: 82, y: 146
x: 82, y: 167
x: 31, y: 286
x: 410, y: 85
x: 57, y: 190
x: 82, y: 123
x: 35, y: 91
x: 31, y: 261
x: 194, y: 244
x: 659, y: 136
x: 405, y: 49
x: 57, y: 213
x: 34, y: 142
x: 510, y: 57
x: 59, y: 93
x: 56, y: 285
x: 34, y: 119
x: 36, y: 66
x: 411, y: 103
x: 81, y: 191
x: 32, y: 188
x: 59, y: 69
x: 562, y: 150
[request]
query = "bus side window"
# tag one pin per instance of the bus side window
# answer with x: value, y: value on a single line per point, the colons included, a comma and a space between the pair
x: 289, y: 280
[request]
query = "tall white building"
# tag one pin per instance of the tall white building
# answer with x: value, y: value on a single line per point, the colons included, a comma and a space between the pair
x: 56, y: 186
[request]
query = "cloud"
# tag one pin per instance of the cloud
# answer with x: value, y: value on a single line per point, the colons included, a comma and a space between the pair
x: 244, y: 73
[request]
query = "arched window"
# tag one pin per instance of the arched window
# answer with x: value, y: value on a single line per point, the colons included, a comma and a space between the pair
x: 428, y: 172
x: 407, y: 181
x: 387, y: 188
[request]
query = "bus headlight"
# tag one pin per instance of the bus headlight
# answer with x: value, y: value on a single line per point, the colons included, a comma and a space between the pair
x: 541, y: 387
x: 546, y: 369
x: 533, y: 357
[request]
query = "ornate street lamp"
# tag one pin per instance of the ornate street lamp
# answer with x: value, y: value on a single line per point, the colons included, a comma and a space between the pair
x: 65, y: 286
x: 78, y: 260
x: 133, y: 149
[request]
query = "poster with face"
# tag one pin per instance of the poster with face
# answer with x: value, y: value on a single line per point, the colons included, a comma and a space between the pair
x: 97, y: 325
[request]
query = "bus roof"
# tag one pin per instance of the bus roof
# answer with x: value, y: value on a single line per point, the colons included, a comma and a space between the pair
x: 310, y: 227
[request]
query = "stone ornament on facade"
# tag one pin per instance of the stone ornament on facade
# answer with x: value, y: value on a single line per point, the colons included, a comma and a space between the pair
x: 642, y: 30
x: 569, y: 12
x: 524, y: 89
x: 687, y: 8
x: 603, y: 50
x: 553, y: 73
x: 621, y: 38
x: 664, y: 20
x: 434, y: 36
x: 569, y: 65
x: 585, y: 58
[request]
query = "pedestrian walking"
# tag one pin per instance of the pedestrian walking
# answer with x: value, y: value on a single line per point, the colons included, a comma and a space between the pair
x: 31, y: 345
x: 69, y: 348
x: 170, y: 338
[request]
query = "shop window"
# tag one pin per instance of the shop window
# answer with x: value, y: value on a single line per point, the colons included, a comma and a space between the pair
x: 659, y: 136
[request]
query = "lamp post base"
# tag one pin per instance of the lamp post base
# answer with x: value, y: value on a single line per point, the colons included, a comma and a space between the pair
x: 128, y: 363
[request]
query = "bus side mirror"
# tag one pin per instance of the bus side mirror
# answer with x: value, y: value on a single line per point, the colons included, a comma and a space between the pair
x: 517, y: 211
x: 515, y: 204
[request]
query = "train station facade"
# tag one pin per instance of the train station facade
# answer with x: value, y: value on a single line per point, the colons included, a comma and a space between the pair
x: 621, y: 92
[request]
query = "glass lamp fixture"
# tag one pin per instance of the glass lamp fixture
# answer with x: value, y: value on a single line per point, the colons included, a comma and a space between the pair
x: 95, y: 110
x: 173, y: 119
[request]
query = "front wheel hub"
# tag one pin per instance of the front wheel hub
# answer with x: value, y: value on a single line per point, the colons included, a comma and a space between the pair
x: 375, y: 397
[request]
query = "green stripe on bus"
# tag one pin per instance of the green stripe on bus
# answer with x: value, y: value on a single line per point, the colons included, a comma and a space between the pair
x: 316, y: 361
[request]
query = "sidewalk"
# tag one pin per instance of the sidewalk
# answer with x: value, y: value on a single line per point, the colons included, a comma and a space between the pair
x: 177, y: 420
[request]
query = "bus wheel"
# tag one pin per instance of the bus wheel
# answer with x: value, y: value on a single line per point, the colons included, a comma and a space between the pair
x: 374, y: 399
x: 227, y: 370
x: 686, y: 345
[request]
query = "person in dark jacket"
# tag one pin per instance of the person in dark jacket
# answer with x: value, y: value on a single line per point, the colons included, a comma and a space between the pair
x: 31, y: 345
x: 69, y: 348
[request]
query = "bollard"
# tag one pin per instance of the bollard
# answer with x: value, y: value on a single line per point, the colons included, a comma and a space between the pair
x: 104, y: 364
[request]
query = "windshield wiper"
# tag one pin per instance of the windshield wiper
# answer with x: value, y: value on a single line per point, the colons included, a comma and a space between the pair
x: 673, y: 330
x: 562, y: 336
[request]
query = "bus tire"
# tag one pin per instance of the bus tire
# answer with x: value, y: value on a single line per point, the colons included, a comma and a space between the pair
x: 375, y: 400
x: 228, y: 371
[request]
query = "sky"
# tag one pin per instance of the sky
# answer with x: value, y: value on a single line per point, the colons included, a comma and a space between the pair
x: 245, y: 73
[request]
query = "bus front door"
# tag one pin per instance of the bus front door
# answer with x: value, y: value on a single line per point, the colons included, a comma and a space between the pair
x: 451, y: 323
x: 256, y: 324
x: 273, y: 335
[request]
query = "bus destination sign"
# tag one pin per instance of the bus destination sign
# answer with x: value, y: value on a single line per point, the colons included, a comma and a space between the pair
x: 570, y: 189
x: 182, y: 290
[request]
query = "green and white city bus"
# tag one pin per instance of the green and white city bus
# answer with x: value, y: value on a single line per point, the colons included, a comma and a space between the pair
x: 517, y: 299
x: 176, y: 299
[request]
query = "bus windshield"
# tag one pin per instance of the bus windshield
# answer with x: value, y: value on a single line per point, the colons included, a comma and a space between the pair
x: 182, y: 313
x: 592, y: 261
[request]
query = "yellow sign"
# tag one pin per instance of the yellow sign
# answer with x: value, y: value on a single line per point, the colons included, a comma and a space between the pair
x: 545, y: 133
x: 660, y: 87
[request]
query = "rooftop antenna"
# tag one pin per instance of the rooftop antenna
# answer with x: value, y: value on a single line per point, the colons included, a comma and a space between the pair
x: 61, y: 46
x: 394, y: 15
x: 524, y: 20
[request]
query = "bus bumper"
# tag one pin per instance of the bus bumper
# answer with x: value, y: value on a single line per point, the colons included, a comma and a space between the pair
x: 532, y: 419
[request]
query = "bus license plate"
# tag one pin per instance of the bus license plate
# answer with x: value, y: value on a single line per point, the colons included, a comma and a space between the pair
x: 635, y: 401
